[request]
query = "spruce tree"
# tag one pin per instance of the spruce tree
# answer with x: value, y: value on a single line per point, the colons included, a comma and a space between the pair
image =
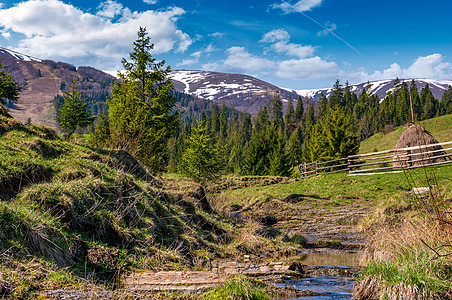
x: 101, y: 135
x: 223, y: 121
x: 429, y: 103
x: 299, y: 110
x: 322, y: 106
x: 280, y: 164
x: 289, y: 118
x: 9, y: 89
x: 294, y: 147
x: 202, y: 160
x: 256, y: 159
x: 336, y: 96
x: 416, y: 101
x: 445, y: 105
x: 215, y: 120
x: 277, y: 111
x: 339, y: 135
x: 314, y: 144
x: 73, y: 112
x: 142, y: 115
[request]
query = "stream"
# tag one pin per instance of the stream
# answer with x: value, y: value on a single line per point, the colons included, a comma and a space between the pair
x: 332, y: 275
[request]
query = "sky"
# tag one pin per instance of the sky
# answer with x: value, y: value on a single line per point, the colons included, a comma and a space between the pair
x: 293, y: 44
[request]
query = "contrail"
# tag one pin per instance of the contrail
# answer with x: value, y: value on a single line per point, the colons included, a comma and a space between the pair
x: 330, y: 31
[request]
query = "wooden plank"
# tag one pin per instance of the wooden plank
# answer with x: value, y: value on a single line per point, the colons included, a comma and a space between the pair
x: 371, y: 154
x: 429, y: 158
x: 432, y: 164
x: 374, y: 169
x: 331, y: 161
x: 423, y: 146
x: 401, y: 149
x: 398, y: 153
x: 373, y: 158
x: 331, y: 167
x: 380, y: 163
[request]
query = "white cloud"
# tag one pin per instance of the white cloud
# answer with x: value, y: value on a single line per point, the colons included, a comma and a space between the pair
x: 293, y: 49
x: 187, y: 62
x: 150, y: 1
x: 86, y: 38
x: 329, y: 27
x: 239, y: 58
x: 216, y: 34
x: 280, y: 39
x: 432, y: 66
x: 110, y: 9
x: 300, y: 6
x: 196, y: 54
x: 308, y: 68
x: 276, y: 35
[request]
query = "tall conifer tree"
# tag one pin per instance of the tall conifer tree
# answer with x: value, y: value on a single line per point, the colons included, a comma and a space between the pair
x: 142, y: 115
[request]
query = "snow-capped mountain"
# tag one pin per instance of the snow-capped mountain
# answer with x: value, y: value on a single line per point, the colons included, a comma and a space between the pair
x: 242, y: 92
x: 17, y: 55
x: 247, y: 93
x: 382, y: 87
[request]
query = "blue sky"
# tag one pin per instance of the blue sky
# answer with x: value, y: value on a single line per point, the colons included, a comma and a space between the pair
x: 295, y: 44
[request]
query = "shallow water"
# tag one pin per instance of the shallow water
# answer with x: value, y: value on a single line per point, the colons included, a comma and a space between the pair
x: 344, y: 259
x: 331, y: 287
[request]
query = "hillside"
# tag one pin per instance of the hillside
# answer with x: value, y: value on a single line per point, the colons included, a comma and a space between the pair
x: 439, y: 127
x: 242, y: 92
x: 42, y: 81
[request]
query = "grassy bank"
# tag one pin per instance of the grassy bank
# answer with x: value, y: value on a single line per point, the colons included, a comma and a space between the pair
x: 78, y: 217
x: 409, y: 245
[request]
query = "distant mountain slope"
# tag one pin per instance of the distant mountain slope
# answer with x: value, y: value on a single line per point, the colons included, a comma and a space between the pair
x: 42, y: 81
x: 381, y: 88
x: 242, y: 92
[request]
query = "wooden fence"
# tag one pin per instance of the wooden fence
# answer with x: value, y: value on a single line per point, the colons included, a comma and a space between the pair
x: 388, y: 160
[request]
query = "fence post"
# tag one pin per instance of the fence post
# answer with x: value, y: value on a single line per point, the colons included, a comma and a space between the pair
x: 316, y: 166
x: 305, y: 169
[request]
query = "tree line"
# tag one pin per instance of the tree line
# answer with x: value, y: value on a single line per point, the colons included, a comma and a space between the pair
x: 142, y: 118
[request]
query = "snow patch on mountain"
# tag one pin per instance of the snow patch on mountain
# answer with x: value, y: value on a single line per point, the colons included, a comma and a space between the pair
x: 20, y: 56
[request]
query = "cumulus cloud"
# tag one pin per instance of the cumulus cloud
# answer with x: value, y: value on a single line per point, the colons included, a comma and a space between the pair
x: 431, y: 66
x: 300, y: 6
x: 303, y: 66
x: 308, y: 68
x: 240, y: 58
x: 99, y: 39
x: 277, y: 35
x: 150, y: 1
x: 280, y: 39
x: 110, y: 9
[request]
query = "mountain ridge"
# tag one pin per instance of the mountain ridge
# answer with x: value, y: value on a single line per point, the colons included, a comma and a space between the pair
x: 42, y: 80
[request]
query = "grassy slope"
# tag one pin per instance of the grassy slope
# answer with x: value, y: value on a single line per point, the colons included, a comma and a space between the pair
x: 336, y: 189
x: 440, y: 128
x: 70, y: 214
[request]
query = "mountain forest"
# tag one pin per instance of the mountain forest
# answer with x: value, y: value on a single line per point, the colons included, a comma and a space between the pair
x: 142, y: 180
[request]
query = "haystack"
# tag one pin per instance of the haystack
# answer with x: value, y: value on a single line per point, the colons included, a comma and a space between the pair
x: 414, y: 136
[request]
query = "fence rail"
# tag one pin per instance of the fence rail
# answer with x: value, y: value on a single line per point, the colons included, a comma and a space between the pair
x: 404, y: 158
